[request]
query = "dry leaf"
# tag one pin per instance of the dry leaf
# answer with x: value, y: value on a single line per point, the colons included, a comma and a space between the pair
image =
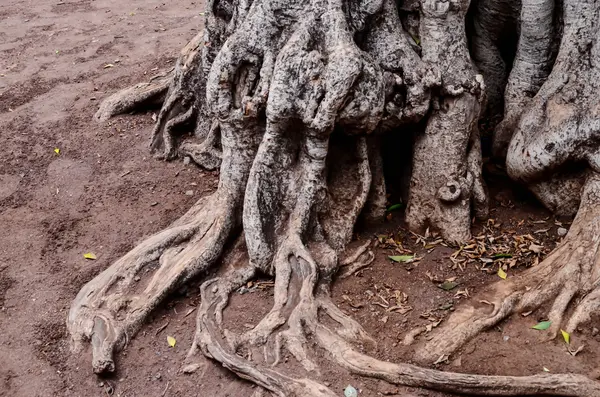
x: 89, y: 255
x: 171, y: 341
x: 502, y: 274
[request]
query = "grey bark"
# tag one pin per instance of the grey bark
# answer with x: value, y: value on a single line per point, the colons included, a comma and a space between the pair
x: 553, y: 151
x: 290, y: 99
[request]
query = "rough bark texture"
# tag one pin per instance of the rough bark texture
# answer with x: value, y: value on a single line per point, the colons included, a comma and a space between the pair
x: 553, y: 151
x: 290, y: 99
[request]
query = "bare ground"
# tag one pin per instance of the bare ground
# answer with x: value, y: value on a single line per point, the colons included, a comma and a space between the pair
x: 103, y: 192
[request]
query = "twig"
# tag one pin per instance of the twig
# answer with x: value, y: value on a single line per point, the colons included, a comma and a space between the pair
x: 166, y: 388
x: 158, y: 331
x: 190, y: 312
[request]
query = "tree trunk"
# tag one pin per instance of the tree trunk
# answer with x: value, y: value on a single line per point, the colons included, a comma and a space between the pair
x: 290, y: 99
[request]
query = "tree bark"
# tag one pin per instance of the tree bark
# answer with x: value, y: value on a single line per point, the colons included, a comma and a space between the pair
x: 290, y: 99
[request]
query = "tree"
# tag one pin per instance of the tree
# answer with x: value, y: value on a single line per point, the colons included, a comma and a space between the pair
x: 291, y: 100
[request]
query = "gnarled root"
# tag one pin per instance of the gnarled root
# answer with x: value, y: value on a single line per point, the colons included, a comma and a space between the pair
x: 568, y: 276
x: 301, y: 316
x: 442, y: 186
x: 111, y: 307
x: 532, y: 65
x: 144, y: 94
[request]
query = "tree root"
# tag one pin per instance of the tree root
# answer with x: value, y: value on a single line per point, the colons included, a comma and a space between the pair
x: 305, y: 299
x: 442, y: 186
x: 111, y: 307
x: 114, y: 304
x: 571, y: 271
x: 140, y: 95
x: 292, y: 91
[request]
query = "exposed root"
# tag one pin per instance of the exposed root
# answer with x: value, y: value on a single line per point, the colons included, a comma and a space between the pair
x: 151, y: 93
x: 207, y: 154
x: 284, y: 96
x: 303, y: 320
x: 532, y: 65
x: 182, y: 102
x: 360, y: 259
x: 111, y: 307
x: 114, y: 305
x: 442, y: 185
x: 571, y: 271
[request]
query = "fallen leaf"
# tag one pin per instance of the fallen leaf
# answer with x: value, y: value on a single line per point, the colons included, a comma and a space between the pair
x: 171, y: 341
x: 394, y: 207
x: 541, y: 326
x: 402, y: 258
x: 502, y: 274
x: 566, y: 336
x: 536, y: 248
x: 448, y: 285
x: 89, y: 255
x: 57, y: 150
x: 546, y: 369
x: 108, y: 65
x: 498, y: 256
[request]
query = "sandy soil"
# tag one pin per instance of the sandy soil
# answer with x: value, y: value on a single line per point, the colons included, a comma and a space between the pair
x: 102, y: 192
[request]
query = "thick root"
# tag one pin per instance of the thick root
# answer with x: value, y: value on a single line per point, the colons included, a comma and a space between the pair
x: 442, y: 185
x: 304, y: 301
x: 570, y: 272
x: 111, y: 308
x: 533, y: 62
x: 152, y: 93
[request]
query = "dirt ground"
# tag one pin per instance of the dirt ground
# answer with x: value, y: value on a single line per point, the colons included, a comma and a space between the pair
x: 102, y: 192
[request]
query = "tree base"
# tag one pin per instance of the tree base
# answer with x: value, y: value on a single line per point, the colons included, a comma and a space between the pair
x: 568, y: 277
x: 288, y: 98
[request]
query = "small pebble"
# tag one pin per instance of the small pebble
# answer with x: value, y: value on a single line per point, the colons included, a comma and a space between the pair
x: 186, y: 160
x: 350, y: 392
x: 562, y: 231
x: 595, y: 331
x: 189, y: 193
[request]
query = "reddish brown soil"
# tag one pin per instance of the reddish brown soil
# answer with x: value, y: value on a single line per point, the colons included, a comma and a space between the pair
x: 103, y: 193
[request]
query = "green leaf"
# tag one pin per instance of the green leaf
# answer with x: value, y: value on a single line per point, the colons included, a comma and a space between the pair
x: 541, y: 326
x: 448, y: 285
x: 498, y: 256
x: 402, y: 258
x: 171, y: 341
x: 394, y: 207
x: 566, y: 336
